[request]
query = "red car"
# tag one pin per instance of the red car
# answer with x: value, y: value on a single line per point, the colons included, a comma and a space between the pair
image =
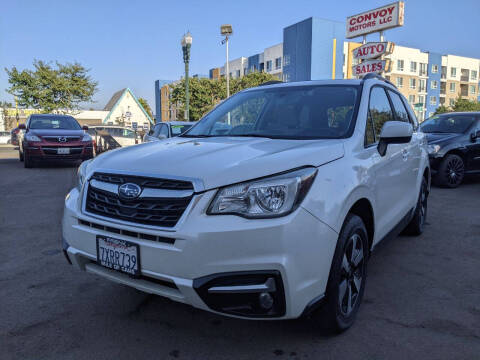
x: 53, y: 137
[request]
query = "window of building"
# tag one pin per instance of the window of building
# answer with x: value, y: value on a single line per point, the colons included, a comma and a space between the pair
x: 245, y: 71
x: 453, y: 72
x: 473, y: 75
x: 379, y: 112
x: 452, y: 87
x: 444, y: 72
x: 286, y: 77
x: 286, y: 59
x: 433, y: 100
x: 399, y: 82
x: 421, y: 99
x: 262, y: 67
x: 399, y: 107
x: 413, y: 66
x: 238, y: 73
x: 413, y: 83
x: 278, y: 63
x: 473, y: 89
x: 400, y: 65
x: 434, y: 69
x: 423, y: 69
x: 452, y: 102
x: 230, y: 75
x: 422, y: 86
x: 269, y: 65
x: 434, y: 84
x: 411, y: 99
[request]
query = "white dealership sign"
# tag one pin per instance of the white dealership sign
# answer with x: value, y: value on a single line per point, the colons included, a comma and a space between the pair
x: 385, y: 17
x: 371, y: 66
x: 373, y: 50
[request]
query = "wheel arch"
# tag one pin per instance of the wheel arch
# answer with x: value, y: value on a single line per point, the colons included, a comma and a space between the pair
x: 364, y: 209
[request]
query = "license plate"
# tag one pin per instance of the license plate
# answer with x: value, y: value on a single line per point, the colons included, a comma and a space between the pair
x: 118, y: 255
x: 63, y: 151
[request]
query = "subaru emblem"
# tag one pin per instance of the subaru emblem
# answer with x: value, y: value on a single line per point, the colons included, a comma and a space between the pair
x: 129, y: 191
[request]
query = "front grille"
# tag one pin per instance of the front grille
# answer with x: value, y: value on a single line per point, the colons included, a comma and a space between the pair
x: 61, y: 139
x: 163, y: 212
x: 144, y: 182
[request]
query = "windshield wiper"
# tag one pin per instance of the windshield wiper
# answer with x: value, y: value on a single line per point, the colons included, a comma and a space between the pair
x: 196, y: 136
x: 253, y: 135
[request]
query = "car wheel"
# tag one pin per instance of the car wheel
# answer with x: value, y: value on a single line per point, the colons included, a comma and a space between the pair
x: 451, y: 171
x: 27, y: 161
x: 417, y: 224
x: 20, y: 155
x: 348, y: 274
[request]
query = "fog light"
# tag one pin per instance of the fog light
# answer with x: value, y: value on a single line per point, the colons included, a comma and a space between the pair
x: 265, y: 300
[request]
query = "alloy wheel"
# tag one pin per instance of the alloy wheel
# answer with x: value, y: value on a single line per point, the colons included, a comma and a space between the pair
x: 352, y: 274
x: 454, y: 171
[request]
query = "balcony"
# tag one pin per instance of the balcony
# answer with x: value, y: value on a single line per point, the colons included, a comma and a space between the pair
x: 464, y: 75
x: 464, y: 78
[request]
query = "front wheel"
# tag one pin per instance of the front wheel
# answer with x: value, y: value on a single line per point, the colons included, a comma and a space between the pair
x: 416, y: 225
x: 27, y: 161
x: 348, y: 274
x: 451, y: 171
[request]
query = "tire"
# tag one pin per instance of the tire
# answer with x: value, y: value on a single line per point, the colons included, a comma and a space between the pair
x: 417, y: 224
x: 451, y: 171
x: 346, y: 282
x: 27, y: 161
x: 20, y: 155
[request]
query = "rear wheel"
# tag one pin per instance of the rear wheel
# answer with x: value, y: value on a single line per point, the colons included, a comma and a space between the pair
x: 348, y: 274
x: 451, y: 171
x: 27, y: 161
x: 20, y: 155
x: 416, y: 225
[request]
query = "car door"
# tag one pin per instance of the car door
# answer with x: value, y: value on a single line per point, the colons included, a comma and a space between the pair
x: 391, y: 191
x: 412, y: 153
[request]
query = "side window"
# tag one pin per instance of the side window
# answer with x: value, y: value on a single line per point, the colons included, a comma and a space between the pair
x: 379, y: 110
x: 164, y: 130
x: 400, y: 111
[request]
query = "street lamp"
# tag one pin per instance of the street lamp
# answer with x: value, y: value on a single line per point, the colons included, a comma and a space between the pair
x: 226, y: 30
x: 186, y: 44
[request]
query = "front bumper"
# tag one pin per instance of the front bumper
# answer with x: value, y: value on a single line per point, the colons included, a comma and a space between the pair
x: 295, y: 251
x: 77, y: 151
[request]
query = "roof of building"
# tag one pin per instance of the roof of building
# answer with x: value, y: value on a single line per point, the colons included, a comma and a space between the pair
x: 114, y: 99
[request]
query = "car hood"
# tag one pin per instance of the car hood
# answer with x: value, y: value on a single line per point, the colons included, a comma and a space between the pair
x: 436, y: 138
x: 218, y: 161
x: 56, y: 132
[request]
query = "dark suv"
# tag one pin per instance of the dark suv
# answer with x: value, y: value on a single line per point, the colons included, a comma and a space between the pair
x: 453, y: 146
x: 53, y: 137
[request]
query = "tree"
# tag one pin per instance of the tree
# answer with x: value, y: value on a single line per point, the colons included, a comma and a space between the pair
x: 59, y: 87
x: 145, y: 106
x: 461, y: 104
x: 206, y: 93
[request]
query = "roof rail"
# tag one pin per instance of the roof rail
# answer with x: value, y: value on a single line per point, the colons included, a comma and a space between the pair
x: 376, y: 76
x: 271, y: 82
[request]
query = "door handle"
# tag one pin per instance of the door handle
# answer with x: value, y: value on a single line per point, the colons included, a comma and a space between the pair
x: 405, y: 154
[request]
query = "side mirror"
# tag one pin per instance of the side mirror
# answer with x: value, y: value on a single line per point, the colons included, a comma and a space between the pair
x: 394, y: 132
x: 161, y: 137
x: 22, y: 127
x: 85, y: 127
x: 475, y: 135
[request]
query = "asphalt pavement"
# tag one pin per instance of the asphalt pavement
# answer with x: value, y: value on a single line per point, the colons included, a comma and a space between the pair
x: 422, y: 299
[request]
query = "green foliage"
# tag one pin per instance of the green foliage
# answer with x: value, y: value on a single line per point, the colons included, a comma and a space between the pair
x: 206, y: 93
x: 145, y: 106
x: 51, y: 87
x: 460, y: 104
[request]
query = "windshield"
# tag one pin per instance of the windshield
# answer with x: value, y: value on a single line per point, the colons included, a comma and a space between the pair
x: 296, y: 112
x: 54, y: 122
x: 179, y: 129
x: 447, y: 123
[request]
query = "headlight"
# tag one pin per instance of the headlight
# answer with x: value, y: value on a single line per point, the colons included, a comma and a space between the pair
x: 87, y: 137
x: 30, y: 137
x: 433, y: 149
x: 265, y: 198
x: 81, y: 174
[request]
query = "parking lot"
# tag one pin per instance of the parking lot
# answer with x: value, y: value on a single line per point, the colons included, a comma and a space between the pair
x: 422, y: 298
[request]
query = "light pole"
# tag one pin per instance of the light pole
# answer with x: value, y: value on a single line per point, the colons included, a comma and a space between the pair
x: 186, y: 44
x: 226, y: 30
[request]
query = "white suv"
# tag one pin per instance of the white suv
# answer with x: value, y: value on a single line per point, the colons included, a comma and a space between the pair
x: 267, y: 208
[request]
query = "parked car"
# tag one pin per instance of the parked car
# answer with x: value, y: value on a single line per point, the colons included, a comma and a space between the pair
x: 166, y: 130
x: 274, y: 218
x: 53, y: 137
x: 453, y: 146
x: 123, y: 135
x: 5, y: 137
x: 14, y: 136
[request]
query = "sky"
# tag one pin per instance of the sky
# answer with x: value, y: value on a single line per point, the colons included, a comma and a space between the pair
x: 133, y: 43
